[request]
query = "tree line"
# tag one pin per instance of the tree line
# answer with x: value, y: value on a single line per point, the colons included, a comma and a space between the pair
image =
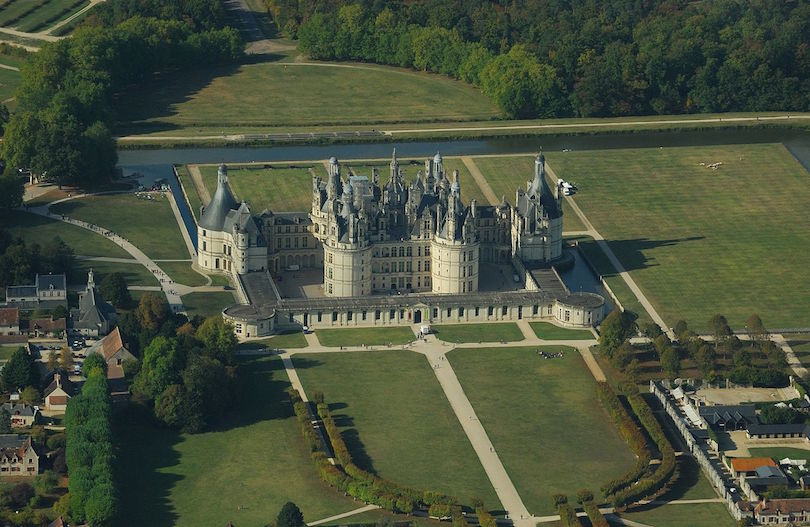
x: 540, y: 58
x: 66, y: 100
x: 21, y: 262
x: 758, y: 362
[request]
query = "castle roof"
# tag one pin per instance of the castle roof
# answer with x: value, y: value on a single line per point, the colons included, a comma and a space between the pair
x: 213, y: 217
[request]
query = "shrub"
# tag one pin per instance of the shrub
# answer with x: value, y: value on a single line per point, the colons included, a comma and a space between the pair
x: 559, y: 499
x: 21, y: 494
x: 596, y: 517
x: 568, y: 516
x: 584, y: 495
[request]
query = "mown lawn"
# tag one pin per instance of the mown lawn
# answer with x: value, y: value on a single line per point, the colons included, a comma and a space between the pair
x: 506, y: 174
x: 150, y: 225
x: 279, y: 188
x: 700, y: 241
x: 243, y: 472
x: 51, y: 12
x: 9, y: 81
x: 544, y: 420
x: 548, y: 331
x: 357, y: 337
x: 302, y: 94
x: 682, y: 515
x: 777, y: 453
x: 207, y: 304
x: 410, y: 436
x: 134, y: 273
x: 38, y: 229
x: 182, y: 273
x: 489, y: 332
x: 800, y: 344
x: 190, y: 190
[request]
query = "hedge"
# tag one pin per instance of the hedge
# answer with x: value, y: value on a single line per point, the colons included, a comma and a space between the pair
x: 356, y: 482
x: 653, y: 484
x: 594, y: 514
x: 630, y: 432
x: 568, y: 517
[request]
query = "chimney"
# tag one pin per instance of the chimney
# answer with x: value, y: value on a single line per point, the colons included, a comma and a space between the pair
x: 57, y: 377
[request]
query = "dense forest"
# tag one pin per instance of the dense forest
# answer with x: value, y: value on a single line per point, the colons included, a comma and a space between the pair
x: 65, y: 104
x: 539, y: 58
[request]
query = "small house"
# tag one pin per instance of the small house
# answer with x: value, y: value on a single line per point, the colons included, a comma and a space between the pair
x: 58, y: 392
x: 17, y: 456
x: 21, y: 414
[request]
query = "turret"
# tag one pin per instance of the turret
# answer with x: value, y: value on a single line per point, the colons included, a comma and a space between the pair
x: 333, y: 185
x: 394, y: 166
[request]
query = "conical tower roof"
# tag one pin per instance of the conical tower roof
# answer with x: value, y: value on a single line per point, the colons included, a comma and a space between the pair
x: 213, y: 216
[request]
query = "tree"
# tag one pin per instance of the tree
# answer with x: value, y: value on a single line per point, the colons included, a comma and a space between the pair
x: 652, y: 330
x: 719, y: 327
x: 11, y: 191
x: 705, y: 359
x: 290, y: 516
x: 756, y: 329
x: 21, y: 494
x: 3, y: 116
x: 170, y: 404
x: 671, y: 362
x: 584, y: 496
x: 114, y: 289
x: 19, y: 371
x: 661, y: 343
x: 613, y: 332
x: 30, y: 395
x: 151, y: 312
x: 161, y: 367
x: 774, y: 415
x: 66, y: 359
x: 53, y: 361
x: 5, y: 421
x: 680, y: 328
x: 218, y: 339
x: 94, y: 361
x: 633, y: 370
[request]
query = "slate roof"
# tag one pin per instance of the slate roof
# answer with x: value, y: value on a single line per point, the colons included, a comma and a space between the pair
x: 769, y: 472
x: 14, y: 445
x: 21, y: 291
x: 22, y: 409
x: 48, y: 281
x: 213, y: 217
x: 724, y: 414
x: 758, y: 429
x: 65, y: 383
x: 784, y: 506
x: 94, y: 312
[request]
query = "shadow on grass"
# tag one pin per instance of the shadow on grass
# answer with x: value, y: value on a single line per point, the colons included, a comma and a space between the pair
x: 144, y: 449
x: 631, y: 252
x: 358, y: 450
x: 260, y: 394
x: 302, y: 363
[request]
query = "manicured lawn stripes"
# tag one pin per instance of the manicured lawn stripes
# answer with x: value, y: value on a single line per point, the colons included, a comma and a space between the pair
x: 701, y: 241
x: 543, y: 418
x: 50, y: 13
x: 396, y: 421
x: 358, y: 337
x: 207, y: 304
x: 489, y: 332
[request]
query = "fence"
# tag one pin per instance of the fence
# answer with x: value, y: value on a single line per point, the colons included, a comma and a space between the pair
x: 697, y: 450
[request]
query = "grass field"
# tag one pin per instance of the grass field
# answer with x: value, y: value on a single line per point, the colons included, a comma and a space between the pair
x: 182, y: 273
x: 134, y: 273
x: 207, y: 304
x: 682, y: 515
x: 410, y: 436
x: 548, y: 331
x: 701, y: 241
x: 51, y: 12
x: 490, y: 332
x: 302, y: 94
x: 543, y: 419
x: 291, y: 340
x: 280, y: 189
x: 506, y: 174
x: 148, y: 224
x: 357, y: 337
x: 38, y: 229
x: 243, y: 472
x: 777, y: 453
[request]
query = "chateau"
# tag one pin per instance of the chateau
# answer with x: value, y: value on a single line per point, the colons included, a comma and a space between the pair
x: 371, y: 238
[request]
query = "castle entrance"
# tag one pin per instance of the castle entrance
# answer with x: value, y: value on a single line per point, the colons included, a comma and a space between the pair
x: 417, y: 316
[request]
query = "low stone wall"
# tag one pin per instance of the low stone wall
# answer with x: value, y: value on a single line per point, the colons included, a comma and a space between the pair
x: 697, y: 450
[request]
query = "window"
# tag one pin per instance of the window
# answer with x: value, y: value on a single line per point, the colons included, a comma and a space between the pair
x: 409, y: 251
x: 401, y: 267
x: 304, y: 242
x: 427, y: 281
x: 461, y: 311
x: 287, y: 229
x: 427, y: 265
x: 504, y: 310
x: 278, y: 229
x: 204, y: 246
x: 287, y: 243
x: 427, y: 250
x: 567, y: 315
x: 363, y: 316
x: 349, y: 315
x: 401, y: 313
x: 329, y: 272
x: 392, y: 314
x: 435, y: 312
x: 449, y: 311
x: 330, y: 257
x: 402, y: 251
x: 377, y: 314
x: 419, y: 251
x: 334, y: 316
x: 409, y: 266
x: 490, y: 310
x: 216, y: 263
x: 476, y: 310
x: 296, y: 243
x: 330, y: 289
x: 320, y: 316
x: 469, y: 286
x: 534, y: 309
x: 419, y: 266
x: 278, y: 243
x: 204, y: 234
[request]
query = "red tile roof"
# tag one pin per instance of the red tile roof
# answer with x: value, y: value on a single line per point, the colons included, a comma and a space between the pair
x: 750, y: 464
x: 785, y: 506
